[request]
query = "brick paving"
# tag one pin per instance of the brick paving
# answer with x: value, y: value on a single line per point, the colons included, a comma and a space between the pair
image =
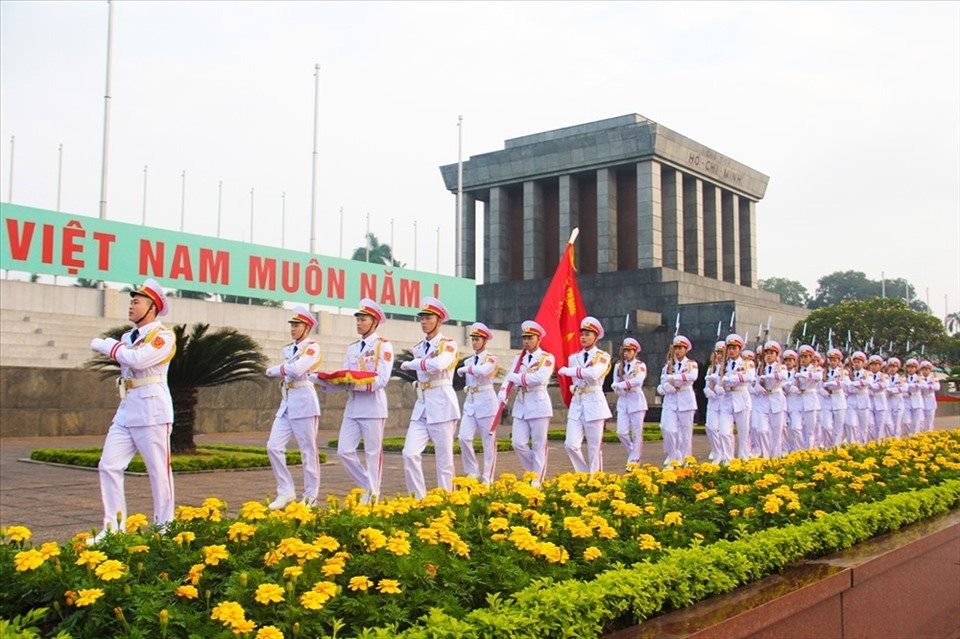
x: 56, y: 502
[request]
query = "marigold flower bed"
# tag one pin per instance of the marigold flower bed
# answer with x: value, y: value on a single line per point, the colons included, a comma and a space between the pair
x: 346, y: 567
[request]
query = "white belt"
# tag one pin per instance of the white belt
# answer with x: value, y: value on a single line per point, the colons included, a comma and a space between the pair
x: 479, y: 389
x: 126, y: 383
x: 285, y: 386
x: 425, y: 386
x: 578, y: 390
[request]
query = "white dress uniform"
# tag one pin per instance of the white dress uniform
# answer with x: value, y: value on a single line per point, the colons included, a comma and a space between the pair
x: 479, y: 408
x: 712, y: 390
x: 929, y: 392
x: 880, y: 422
x: 836, y: 401
x: 793, y: 423
x: 679, y: 406
x: 532, y: 409
x: 770, y: 405
x: 298, y: 417
x: 807, y: 380
x: 913, y: 408
x: 144, y: 417
x: 859, y: 416
x: 588, y: 408
x: 365, y: 413
x: 894, y: 391
x: 735, y: 402
x: 628, y: 378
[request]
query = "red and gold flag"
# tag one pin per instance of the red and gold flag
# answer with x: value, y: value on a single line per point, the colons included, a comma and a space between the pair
x: 560, y: 314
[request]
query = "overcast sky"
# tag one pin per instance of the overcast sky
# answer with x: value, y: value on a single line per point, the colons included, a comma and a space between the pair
x: 853, y: 110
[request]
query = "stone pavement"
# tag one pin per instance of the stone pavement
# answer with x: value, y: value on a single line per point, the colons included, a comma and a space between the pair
x: 56, y: 502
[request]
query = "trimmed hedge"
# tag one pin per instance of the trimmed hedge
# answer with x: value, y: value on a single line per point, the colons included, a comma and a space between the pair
x: 208, y: 457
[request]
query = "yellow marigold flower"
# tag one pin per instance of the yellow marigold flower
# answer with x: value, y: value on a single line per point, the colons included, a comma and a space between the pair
x: 818, y: 513
x: 432, y: 499
x: 332, y: 567
x: 359, y: 583
x: 459, y: 498
x: 269, y: 593
x: 139, y: 548
x: 292, y: 571
x: 253, y: 510
x: 136, y: 521
x: 87, y: 596
x: 212, y: 555
x: 50, y: 549
x: 577, y: 527
x: 606, y: 532
x: 648, y: 542
x: 110, y: 569
x: 498, y: 537
x: 70, y: 597
x: 673, y: 519
x: 327, y: 588
x: 389, y: 586
x: 772, y: 504
x: 312, y: 600
x: 193, y: 576
x: 18, y: 533
x: 326, y: 542
x: 749, y: 511
x: 718, y: 501
x: 229, y: 612
x: 269, y: 632
x: 184, y: 538
x: 240, y: 531
x: 90, y: 558
x: 398, y: 544
x: 187, y: 592
x: 372, y: 539
x: 592, y: 553
x: 553, y: 553
x: 496, y: 524
x: 243, y: 627
x: 793, y: 505
x: 214, y: 502
x: 28, y: 560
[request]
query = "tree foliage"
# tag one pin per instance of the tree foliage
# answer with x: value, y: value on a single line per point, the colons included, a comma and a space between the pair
x: 203, y: 358
x: 894, y: 328
x: 379, y: 253
x: 842, y: 286
x: 790, y: 291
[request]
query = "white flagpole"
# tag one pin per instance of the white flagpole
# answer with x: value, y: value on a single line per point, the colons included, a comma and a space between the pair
x: 13, y: 139
x: 414, y: 245
x: 283, y: 220
x: 366, y: 237
x: 341, y: 232
x: 183, y: 198
x: 59, y: 174
x: 143, y: 215
x: 458, y: 267
x: 438, y: 249
x: 313, y: 188
x: 251, y: 215
x: 219, y: 205
x: 106, y: 115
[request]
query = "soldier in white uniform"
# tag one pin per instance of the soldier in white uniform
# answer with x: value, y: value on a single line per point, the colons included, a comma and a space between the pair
x: 679, y: 402
x: 832, y: 391
x: 793, y: 420
x: 894, y: 390
x: 913, y: 410
x: 365, y: 413
x: 299, y: 413
x: 859, y: 418
x: 808, y: 379
x: 735, y: 402
x: 628, y: 378
x: 437, y: 410
x: 587, y: 369
x: 712, y: 390
x: 770, y: 403
x: 929, y: 392
x: 532, y: 409
x: 143, y: 420
x: 479, y: 406
x: 877, y: 379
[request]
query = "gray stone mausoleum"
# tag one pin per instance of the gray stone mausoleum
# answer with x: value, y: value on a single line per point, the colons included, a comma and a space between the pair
x: 667, y: 225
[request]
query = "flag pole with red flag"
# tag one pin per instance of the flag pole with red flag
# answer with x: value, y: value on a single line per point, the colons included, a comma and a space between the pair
x: 560, y: 314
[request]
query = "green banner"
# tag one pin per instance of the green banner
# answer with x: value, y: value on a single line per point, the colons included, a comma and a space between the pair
x: 51, y: 243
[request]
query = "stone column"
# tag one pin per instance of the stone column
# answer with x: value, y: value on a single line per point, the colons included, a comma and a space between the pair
x: 498, y: 246
x: 606, y: 220
x: 730, y: 212
x: 712, y: 232
x: 569, y: 205
x: 468, y: 236
x: 748, y: 242
x: 532, y: 231
x: 672, y: 193
x: 649, y: 215
x: 692, y: 225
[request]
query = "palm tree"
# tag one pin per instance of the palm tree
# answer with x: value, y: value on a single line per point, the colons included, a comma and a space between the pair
x: 202, y: 359
x: 952, y: 323
x: 379, y: 253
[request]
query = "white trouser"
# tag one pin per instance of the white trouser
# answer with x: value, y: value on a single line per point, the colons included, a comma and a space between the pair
x: 762, y: 432
x: 470, y: 426
x: 743, y: 434
x: 593, y: 430
x: 672, y: 424
x: 913, y: 421
x: 529, y: 439
x: 857, y: 425
x: 713, y: 433
x: 878, y: 424
x: 727, y: 421
x: 304, y: 429
x: 121, y: 444
x: 370, y: 429
x: 630, y: 433
x: 895, y: 419
x: 418, y: 434
x: 793, y: 439
x: 929, y: 414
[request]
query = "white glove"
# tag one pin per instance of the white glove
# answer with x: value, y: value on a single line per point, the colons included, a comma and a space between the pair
x: 719, y: 390
x: 411, y: 365
x: 103, y: 346
x: 513, y: 378
x: 669, y: 389
x: 709, y: 394
x: 618, y: 386
x: 462, y: 371
x: 96, y: 344
x: 502, y: 396
x: 566, y: 371
x: 273, y: 371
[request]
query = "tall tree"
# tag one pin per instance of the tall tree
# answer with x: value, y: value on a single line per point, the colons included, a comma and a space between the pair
x: 790, y: 291
x: 379, y: 253
x: 841, y: 286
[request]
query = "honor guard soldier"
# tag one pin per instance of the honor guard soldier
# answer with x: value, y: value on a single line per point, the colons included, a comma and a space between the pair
x: 587, y: 369
x: 628, y: 377
x: 735, y: 402
x: 299, y: 413
x: 437, y: 410
x: 895, y: 399
x: 770, y: 403
x: 913, y: 409
x: 712, y: 390
x: 143, y: 420
x: 479, y: 406
x: 365, y: 413
x: 679, y: 401
x: 929, y: 392
x: 859, y: 418
x: 793, y: 420
x: 832, y: 390
x: 808, y: 380
x: 532, y: 408
x: 877, y: 381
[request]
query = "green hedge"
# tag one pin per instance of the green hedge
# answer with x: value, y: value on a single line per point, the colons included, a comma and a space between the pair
x: 212, y: 457
x: 617, y: 598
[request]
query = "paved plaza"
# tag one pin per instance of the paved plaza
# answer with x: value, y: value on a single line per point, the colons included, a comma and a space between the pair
x: 56, y: 502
